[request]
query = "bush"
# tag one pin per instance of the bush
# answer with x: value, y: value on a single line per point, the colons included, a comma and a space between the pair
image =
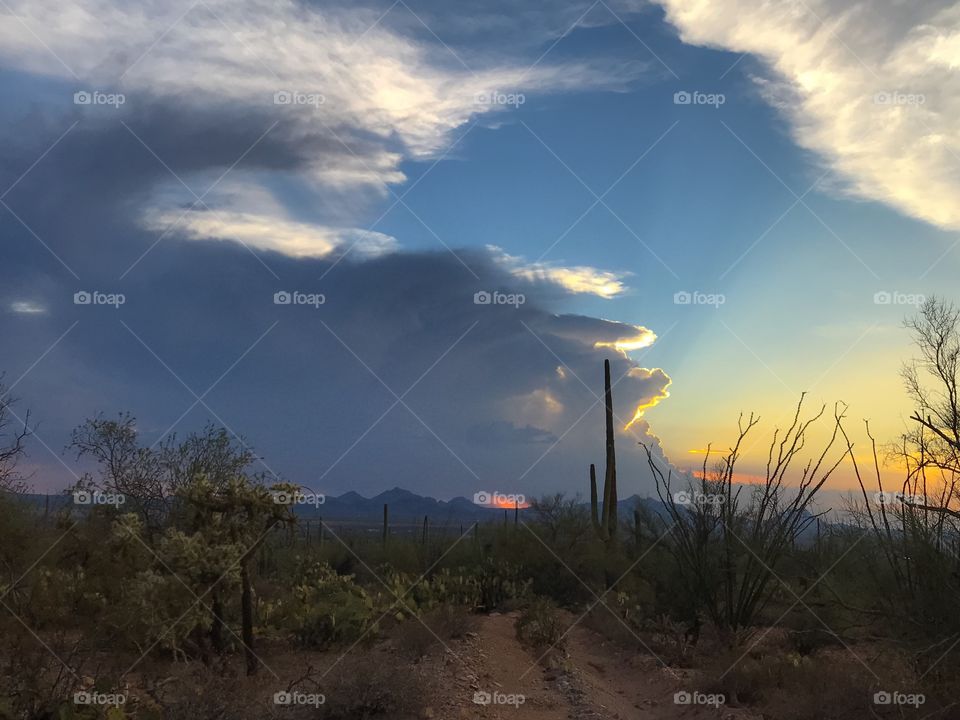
x: 363, y: 687
x: 416, y: 636
x: 539, y: 625
x: 787, y: 686
x: 325, y: 609
x: 450, y: 622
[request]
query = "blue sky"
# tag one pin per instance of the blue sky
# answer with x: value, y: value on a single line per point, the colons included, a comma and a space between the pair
x: 792, y: 201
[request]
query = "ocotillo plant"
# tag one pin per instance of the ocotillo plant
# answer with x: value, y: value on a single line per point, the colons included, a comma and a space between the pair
x: 605, y: 522
x: 386, y: 526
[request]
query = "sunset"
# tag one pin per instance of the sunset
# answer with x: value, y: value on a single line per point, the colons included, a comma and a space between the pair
x: 599, y: 357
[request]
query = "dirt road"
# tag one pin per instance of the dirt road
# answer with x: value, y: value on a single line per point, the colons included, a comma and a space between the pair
x: 491, y: 675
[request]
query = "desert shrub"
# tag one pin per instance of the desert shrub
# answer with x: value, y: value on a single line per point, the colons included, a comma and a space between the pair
x: 416, y: 636
x: 414, y: 639
x: 730, y: 541
x: 540, y: 625
x: 450, y: 622
x: 324, y: 609
x: 487, y: 585
x: 499, y: 582
x: 362, y: 687
x: 156, y: 604
x: 807, y: 636
x: 824, y: 686
x: 410, y: 594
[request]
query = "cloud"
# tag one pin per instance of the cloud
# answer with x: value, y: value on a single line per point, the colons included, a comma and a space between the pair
x: 315, y: 389
x: 579, y: 279
x: 236, y: 98
x: 337, y: 72
x: 601, y: 334
x: 266, y: 232
x: 399, y: 378
x: 27, y: 307
x: 872, y: 87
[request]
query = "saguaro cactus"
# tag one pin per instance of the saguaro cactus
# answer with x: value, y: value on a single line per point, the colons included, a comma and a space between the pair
x: 605, y: 522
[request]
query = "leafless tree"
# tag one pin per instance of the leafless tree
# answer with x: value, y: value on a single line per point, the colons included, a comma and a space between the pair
x: 915, y: 521
x: 13, y: 434
x: 931, y: 448
x: 153, y: 477
x: 562, y: 517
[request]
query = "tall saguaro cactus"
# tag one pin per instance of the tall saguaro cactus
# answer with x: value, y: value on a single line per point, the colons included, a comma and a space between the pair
x: 605, y: 522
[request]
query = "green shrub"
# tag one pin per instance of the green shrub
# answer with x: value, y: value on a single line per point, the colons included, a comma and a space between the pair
x: 324, y: 609
x: 540, y: 625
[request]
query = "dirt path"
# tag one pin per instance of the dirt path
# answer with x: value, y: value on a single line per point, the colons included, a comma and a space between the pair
x: 592, y: 679
x: 486, y: 674
x: 618, y: 684
x: 511, y: 671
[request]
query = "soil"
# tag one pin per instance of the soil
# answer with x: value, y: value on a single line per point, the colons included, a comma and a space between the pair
x: 589, y: 679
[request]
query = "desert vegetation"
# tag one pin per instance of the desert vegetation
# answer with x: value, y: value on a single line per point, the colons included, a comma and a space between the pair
x: 186, y: 590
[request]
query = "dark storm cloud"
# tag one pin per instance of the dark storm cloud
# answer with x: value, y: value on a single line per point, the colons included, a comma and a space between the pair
x: 304, y: 383
x: 398, y: 378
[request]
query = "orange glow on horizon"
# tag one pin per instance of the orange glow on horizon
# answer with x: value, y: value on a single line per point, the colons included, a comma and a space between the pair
x: 507, y: 505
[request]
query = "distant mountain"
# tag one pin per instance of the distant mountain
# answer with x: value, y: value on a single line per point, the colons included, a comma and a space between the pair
x: 405, y: 507
x: 408, y: 508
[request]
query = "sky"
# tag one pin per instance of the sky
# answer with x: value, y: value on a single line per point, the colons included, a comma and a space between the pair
x: 392, y: 243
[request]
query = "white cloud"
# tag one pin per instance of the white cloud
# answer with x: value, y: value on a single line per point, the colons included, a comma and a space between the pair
x: 577, y: 279
x: 355, y: 76
x: 353, y: 97
x: 267, y: 232
x: 249, y: 214
x: 27, y: 307
x: 830, y: 59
